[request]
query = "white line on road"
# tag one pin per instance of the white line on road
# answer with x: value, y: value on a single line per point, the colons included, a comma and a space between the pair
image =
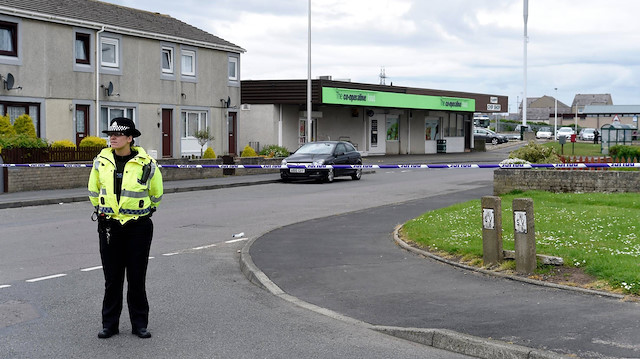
x: 203, y: 247
x: 5, y: 286
x: 45, y: 278
x: 90, y: 269
x: 170, y: 254
x: 237, y: 240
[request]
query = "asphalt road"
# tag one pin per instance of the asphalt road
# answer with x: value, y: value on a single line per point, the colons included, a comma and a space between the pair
x: 201, y: 304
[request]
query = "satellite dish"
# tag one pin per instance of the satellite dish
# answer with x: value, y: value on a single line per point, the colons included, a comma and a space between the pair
x: 110, y: 88
x: 9, y: 82
x: 228, y: 101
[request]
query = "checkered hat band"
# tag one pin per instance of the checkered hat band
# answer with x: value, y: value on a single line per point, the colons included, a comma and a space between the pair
x: 117, y: 128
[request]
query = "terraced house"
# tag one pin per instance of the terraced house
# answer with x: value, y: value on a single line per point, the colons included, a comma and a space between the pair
x: 73, y: 65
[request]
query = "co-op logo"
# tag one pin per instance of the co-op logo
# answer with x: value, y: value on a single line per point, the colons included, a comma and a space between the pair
x: 357, y: 97
x: 452, y: 103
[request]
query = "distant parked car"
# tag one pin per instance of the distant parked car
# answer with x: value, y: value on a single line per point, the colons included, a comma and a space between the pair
x: 544, y: 132
x: 565, y: 131
x: 322, y: 153
x: 527, y: 128
x: 586, y: 134
x: 489, y: 136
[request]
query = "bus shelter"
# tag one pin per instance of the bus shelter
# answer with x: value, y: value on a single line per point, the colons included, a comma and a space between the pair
x: 616, y: 134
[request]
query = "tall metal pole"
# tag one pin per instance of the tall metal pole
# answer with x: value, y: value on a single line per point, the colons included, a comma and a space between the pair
x: 524, y: 100
x: 555, y: 127
x: 309, y: 108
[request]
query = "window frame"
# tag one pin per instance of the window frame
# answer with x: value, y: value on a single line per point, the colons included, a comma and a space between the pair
x: 29, y: 109
x: 86, y: 40
x: 171, y: 69
x: 235, y: 61
x: 116, y: 43
x: 127, y: 111
x: 184, y: 122
x: 192, y: 54
x: 13, y: 28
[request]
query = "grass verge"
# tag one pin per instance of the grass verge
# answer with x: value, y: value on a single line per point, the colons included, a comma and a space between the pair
x: 595, y: 233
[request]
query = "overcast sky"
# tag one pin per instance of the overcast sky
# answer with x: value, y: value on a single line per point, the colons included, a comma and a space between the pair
x: 586, y: 46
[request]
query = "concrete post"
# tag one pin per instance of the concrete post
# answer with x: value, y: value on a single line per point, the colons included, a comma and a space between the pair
x: 492, y: 230
x: 525, y: 240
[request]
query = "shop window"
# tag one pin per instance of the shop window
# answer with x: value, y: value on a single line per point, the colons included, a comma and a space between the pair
x: 392, y: 128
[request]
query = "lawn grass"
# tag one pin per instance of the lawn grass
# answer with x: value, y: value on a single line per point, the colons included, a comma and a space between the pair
x: 576, y: 149
x: 598, y: 232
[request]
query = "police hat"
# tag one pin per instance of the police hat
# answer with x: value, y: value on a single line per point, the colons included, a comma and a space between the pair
x: 124, y: 125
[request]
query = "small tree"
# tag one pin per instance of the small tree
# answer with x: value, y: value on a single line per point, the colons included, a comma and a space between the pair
x: 203, y: 136
x: 6, y: 128
x: 24, y: 126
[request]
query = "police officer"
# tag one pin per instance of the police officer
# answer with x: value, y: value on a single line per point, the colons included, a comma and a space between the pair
x: 125, y: 186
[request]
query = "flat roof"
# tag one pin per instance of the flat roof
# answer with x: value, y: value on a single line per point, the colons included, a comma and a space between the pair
x: 610, y: 110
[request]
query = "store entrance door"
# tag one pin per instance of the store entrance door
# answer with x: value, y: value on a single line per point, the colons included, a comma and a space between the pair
x: 377, y: 133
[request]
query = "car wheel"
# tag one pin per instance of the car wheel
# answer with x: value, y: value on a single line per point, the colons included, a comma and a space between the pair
x: 357, y: 175
x: 494, y: 141
x: 330, y: 176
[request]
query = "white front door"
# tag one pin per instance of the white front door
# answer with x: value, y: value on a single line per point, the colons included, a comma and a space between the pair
x: 377, y: 135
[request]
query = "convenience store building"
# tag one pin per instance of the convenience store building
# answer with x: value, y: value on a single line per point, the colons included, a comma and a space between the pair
x: 377, y: 119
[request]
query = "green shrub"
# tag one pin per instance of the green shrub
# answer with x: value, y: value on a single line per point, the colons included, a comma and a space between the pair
x: 63, y: 144
x: 274, y: 151
x: 24, y: 126
x: 22, y: 141
x: 627, y: 152
x: 209, y: 153
x: 6, y: 128
x: 535, y: 153
x: 248, y: 152
x: 92, y: 141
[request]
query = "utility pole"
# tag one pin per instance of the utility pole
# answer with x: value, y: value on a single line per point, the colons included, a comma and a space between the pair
x: 524, y: 100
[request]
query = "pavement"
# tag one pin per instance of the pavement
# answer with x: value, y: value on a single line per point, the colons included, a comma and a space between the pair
x: 368, y: 280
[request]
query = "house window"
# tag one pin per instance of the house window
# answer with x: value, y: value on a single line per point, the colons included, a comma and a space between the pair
x: 83, y: 42
x: 15, y: 110
x: 110, y: 52
x: 108, y: 113
x: 8, y: 39
x: 192, y: 121
x: 188, y: 63
x: 233, y: 68
x: 167, y: 60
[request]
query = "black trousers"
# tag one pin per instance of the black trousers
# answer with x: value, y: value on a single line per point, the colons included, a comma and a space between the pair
x: 125, y: 249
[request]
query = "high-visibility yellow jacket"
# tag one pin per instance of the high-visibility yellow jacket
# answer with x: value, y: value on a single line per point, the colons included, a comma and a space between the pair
x: 136, y: 198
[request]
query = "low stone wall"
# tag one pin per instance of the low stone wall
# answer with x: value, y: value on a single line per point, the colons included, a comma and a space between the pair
x: 507, y: 180
x: 20, y: 179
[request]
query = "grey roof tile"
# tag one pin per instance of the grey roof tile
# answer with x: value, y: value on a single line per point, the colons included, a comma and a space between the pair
x: 120, y: 16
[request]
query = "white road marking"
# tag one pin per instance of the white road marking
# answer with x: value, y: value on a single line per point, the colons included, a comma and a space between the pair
x: 151, y: 257
x: 5, y: 286
x: 45, y: 278
x: 236, y: 240
x: 203, y: 247
x: 170, y: 254
x: 90, y: 269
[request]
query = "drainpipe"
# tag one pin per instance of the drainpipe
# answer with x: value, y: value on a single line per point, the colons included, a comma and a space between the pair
x: 98, y: 81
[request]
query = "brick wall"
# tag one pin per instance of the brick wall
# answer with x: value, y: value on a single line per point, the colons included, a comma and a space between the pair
x: 20, y: 179
x: 507, y: 180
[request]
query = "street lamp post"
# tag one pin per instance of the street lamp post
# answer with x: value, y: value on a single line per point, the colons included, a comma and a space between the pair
x: 555, y: 127
x: 309, y: 106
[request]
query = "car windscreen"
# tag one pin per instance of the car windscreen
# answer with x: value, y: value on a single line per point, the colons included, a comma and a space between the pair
x: 317, y: 148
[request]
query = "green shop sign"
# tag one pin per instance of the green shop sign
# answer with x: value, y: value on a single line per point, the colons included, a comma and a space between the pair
x: 339, y: 96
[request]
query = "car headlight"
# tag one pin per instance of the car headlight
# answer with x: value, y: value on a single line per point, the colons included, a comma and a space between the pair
x: 318, y: 162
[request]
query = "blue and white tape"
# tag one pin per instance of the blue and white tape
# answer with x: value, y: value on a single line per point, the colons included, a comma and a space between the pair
x: 363, y: 167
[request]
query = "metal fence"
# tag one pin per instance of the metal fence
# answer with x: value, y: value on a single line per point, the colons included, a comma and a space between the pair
x: 48, y: 154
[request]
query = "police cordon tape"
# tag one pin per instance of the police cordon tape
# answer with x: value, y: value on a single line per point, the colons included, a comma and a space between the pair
x: 405, y: 166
